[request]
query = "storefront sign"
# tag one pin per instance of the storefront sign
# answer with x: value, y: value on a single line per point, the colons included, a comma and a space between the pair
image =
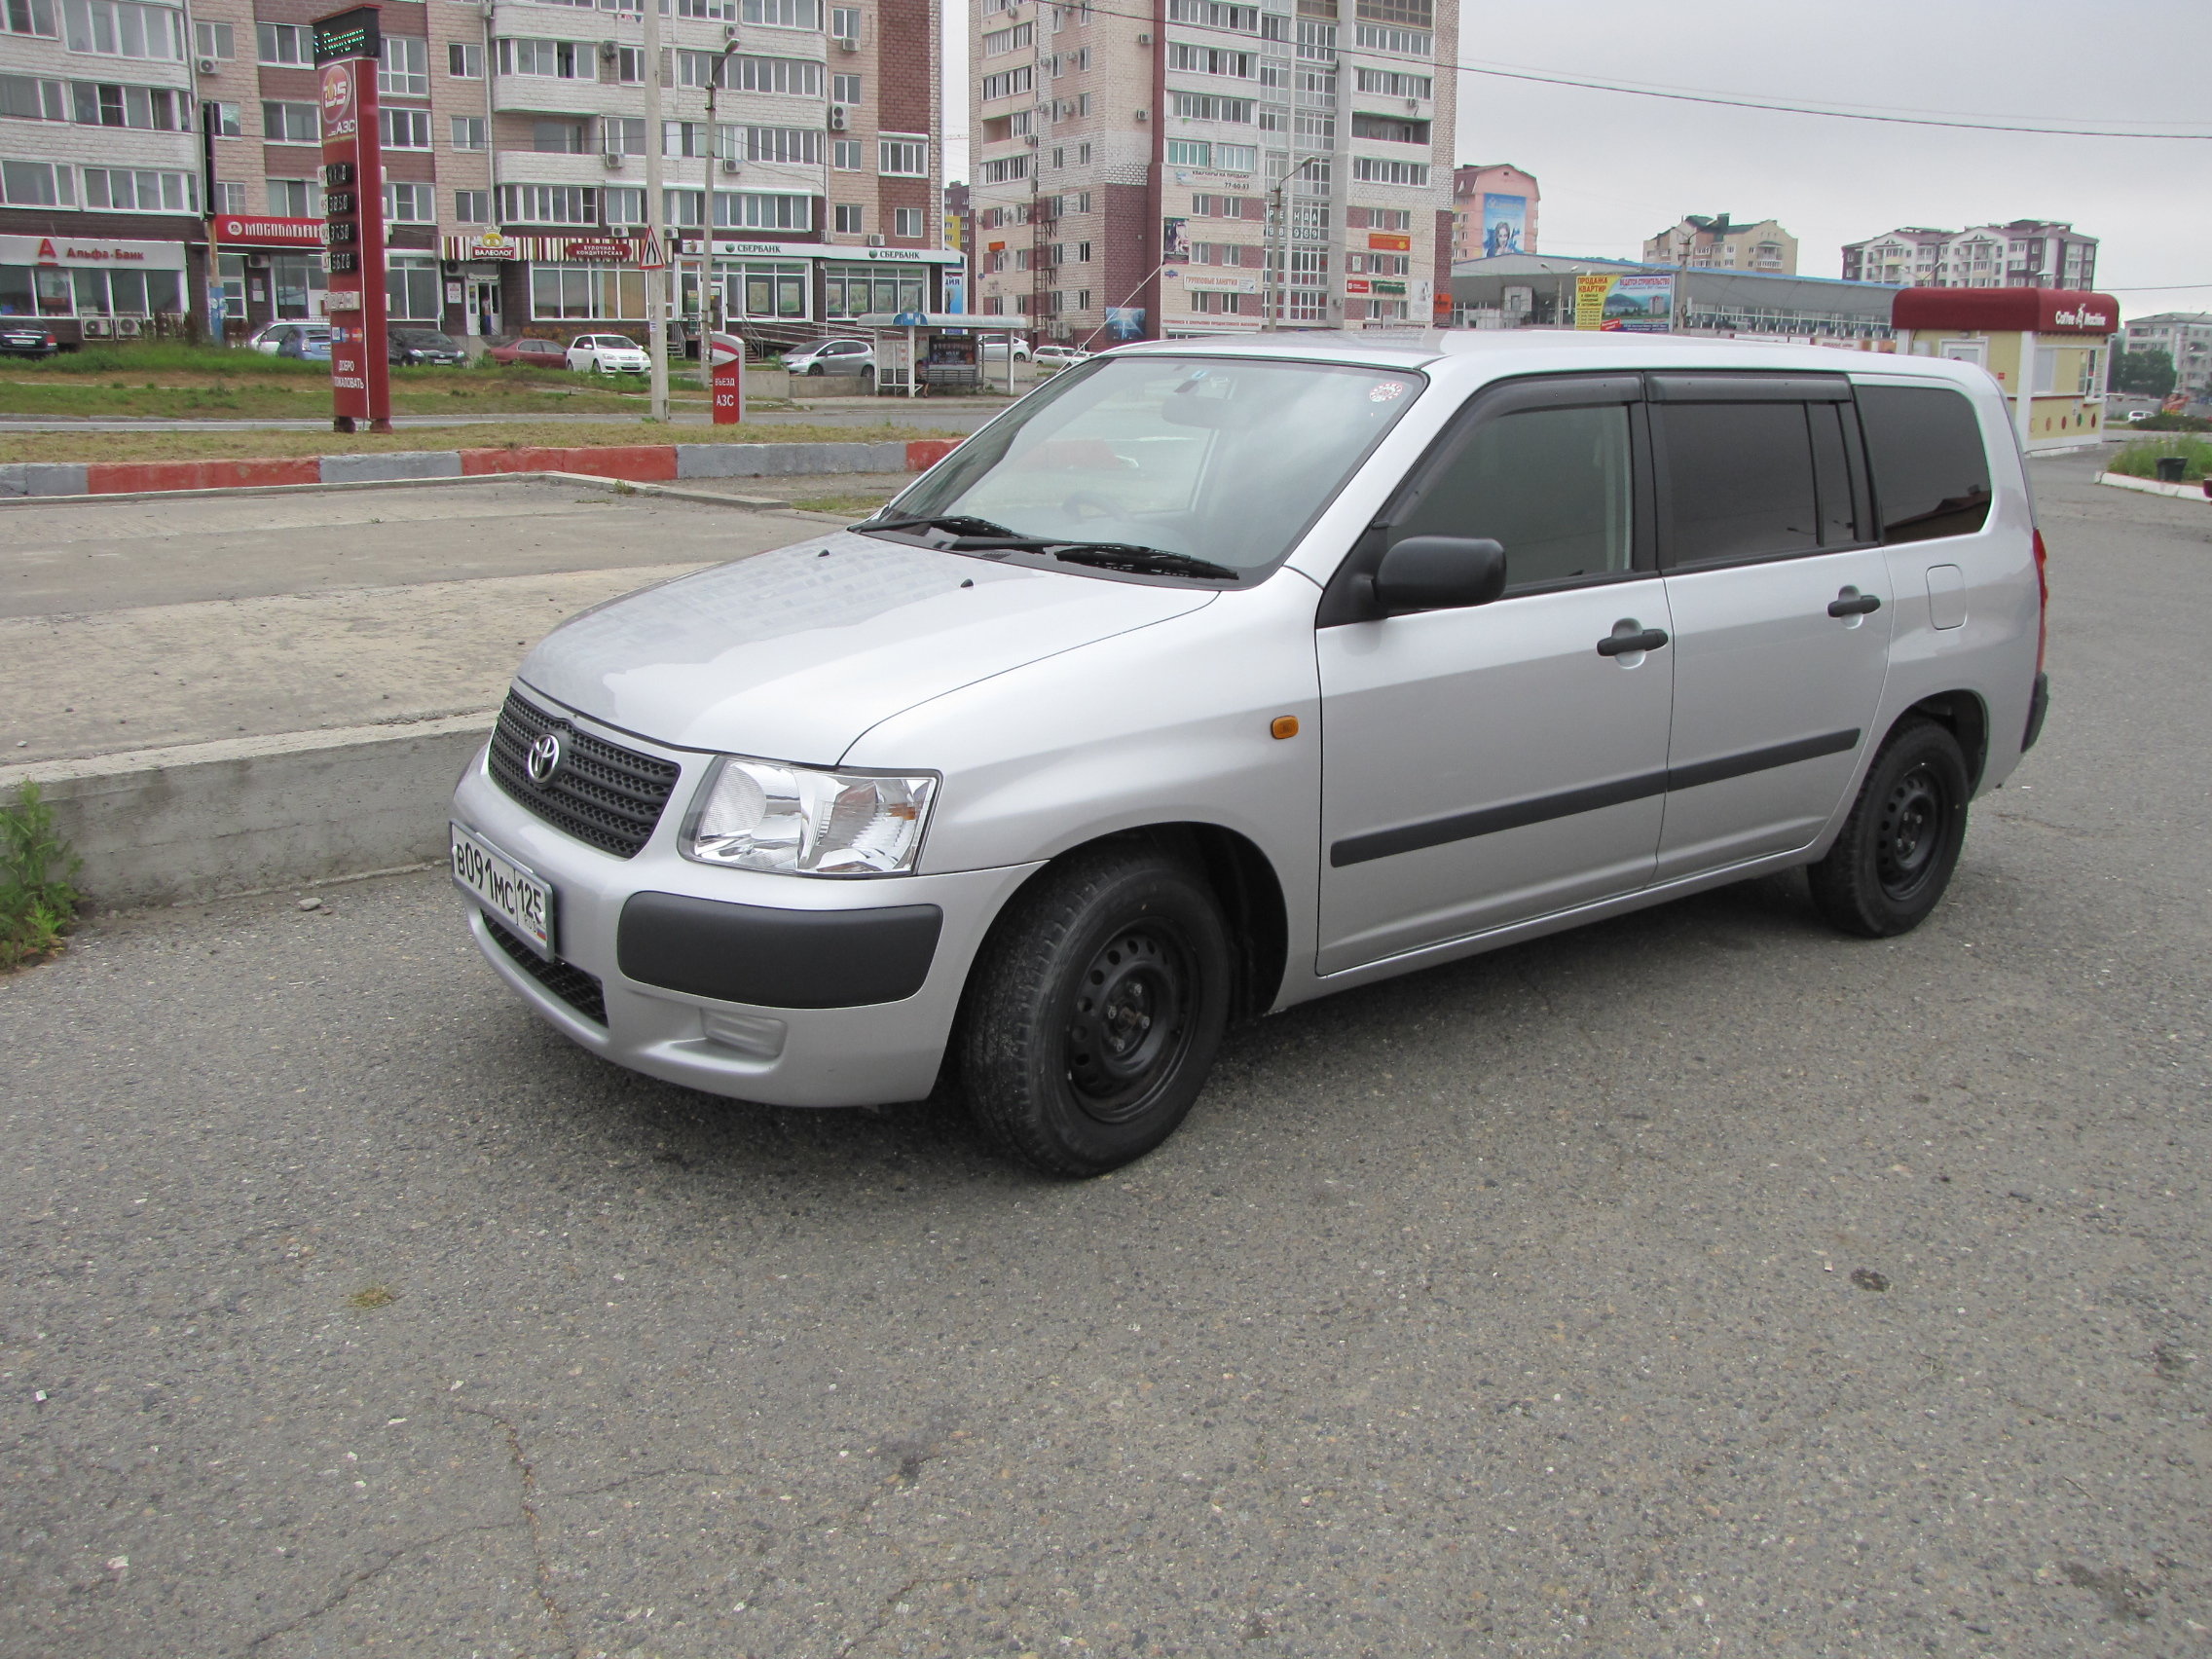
x: 1384, y: 242
x: 600, y: 247
x: 90, y: 253
x: 1357, y: 285
x: 1219, y: 282
x: 238, y: 230
x: 490, y: 245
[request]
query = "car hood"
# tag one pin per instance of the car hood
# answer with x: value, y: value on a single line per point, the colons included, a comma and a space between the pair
x: 791, y: 655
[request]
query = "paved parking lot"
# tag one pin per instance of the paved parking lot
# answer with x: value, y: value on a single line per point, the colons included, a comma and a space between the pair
x: 1698, y: 1284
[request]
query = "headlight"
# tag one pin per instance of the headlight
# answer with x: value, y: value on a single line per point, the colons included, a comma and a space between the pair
x: 793, y: 820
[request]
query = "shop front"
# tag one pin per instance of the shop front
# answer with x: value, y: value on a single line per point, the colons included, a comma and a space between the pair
x: 270, y: 269
x: 95, y: 287
x: 2045, y: 347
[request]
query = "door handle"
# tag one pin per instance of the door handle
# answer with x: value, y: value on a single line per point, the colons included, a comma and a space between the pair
x: 1849, y: 604
x: 1620, y: 645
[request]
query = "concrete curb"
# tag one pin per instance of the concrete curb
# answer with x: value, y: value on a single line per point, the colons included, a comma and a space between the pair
x: 155, y: 826
x: 637, y: 464
x: 2152, y: 487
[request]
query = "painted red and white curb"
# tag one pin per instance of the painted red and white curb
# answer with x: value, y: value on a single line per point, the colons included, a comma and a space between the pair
x: 637, y: 464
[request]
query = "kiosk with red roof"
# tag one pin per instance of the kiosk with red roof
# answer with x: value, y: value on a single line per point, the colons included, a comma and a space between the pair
x: 2045, y: 347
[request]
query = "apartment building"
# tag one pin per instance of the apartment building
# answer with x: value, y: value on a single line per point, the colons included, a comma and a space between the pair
x: 1493, y: 212
x: 2184, y: 336
x: 514, y: 156
x: 2026, y: 253
x: 1180, y: 167
x: 99, y: 168
x: 1714, y: 242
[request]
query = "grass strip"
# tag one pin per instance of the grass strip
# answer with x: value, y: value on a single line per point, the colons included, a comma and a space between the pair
x: 503, y: 434
x: 2140, y: 459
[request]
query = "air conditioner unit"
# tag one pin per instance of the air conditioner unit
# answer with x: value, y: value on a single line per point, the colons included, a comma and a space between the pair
x: 609, y: 50
x: 1145, y: 39
x: 836, y: 118
x: 96, y: 328
x: 1413, y: 103
x: 1144, y: 115
x: 729, y: 31
x: 610, y: 160
x: 127, y: 327
x: 731, y: 164
x: 847, y: 44
x: 206, y: 66
x: 1031, y: 140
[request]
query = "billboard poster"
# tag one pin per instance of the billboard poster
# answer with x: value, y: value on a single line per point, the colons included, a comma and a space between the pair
x: 1633, y: 305
x: 1125, y: 322
x: 955, y: 289
x: 1505, y: 225
x: 1175, y: 241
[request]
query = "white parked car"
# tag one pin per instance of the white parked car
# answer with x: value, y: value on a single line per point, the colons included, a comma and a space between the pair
x: 1062, y: 356
x: 270, y: 337
x: 608, y: 354
x: 1226, y: 674
x: 832, y: 357
x: 994, y: 346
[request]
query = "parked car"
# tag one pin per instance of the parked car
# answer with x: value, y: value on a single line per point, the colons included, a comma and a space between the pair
x: 832, y: 357
x: 995, y: 345
x: 28, y: 340
x: 423, y: 346
x: 270, y: 338
x: 311, y: 344
x: 1235, y: 674
x: 607, y: 353
x: 1062, y: 356
x: 542, y: 353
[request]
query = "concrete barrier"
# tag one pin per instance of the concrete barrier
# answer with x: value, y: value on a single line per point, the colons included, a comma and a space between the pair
x: 160, y: 824
x: 786, y: 460
x: 390, y: 468
x: 43, y: 478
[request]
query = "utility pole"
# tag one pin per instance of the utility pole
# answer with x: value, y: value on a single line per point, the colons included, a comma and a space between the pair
x: 1279, y: 301
x: 706, y: 218
x: 656, y: 281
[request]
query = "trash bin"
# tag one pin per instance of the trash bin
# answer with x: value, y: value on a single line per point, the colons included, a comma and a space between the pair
x: 2171, y: 468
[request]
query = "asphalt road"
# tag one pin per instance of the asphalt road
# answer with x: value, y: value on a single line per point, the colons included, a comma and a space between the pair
x: 1697, y: 1283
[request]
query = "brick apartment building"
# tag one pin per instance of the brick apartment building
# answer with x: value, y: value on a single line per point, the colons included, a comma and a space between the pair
x: 2027, y: 253
x: 1493, y: 212
x: 1127, y: 163
x: 514, y: 144
x: 2184, y: 336
x: 1702, y: 242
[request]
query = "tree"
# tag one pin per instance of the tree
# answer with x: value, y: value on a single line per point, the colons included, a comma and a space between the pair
x: 2150, y: 372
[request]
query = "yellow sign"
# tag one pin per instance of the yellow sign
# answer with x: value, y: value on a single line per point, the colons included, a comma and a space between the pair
x: 1590, y: 301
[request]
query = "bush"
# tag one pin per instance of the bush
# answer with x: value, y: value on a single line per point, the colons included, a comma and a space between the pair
x: 175, y: 356
x: 2140, y: 460
x: 2169, y: 423
x: 37, y: 902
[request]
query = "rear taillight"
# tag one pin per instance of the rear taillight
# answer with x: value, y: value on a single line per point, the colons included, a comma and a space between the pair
x: 2043, y: 599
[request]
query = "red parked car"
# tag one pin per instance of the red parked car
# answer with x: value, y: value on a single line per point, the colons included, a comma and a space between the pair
x: 543, y: 353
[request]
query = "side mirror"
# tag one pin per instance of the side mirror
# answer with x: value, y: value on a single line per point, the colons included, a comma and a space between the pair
x: 1439, y: 572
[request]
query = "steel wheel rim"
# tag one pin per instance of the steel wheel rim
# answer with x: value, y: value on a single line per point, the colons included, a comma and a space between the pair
x: 1129, y: 1021
x: 1914, y: 826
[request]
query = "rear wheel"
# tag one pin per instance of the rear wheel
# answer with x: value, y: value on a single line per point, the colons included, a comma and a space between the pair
x: 1096, y: 1012
x: 1898, y: 848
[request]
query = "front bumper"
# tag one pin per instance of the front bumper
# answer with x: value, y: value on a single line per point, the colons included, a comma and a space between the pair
x: 661, y: 934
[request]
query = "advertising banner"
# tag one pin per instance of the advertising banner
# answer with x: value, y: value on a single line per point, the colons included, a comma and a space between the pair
x: 1125, y: 322
x: 1505, y: 225
x: 1634, y: 305
x: 347, y: 49
x: 1175, y: 241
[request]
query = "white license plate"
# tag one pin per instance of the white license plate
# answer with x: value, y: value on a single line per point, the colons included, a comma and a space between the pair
x: 512, y: 894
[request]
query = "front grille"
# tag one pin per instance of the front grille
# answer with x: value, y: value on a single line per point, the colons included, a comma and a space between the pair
x: 564, y: 979
x: 604, y: 794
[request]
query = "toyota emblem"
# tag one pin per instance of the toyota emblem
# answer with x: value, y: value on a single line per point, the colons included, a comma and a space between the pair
x: 544, y: 759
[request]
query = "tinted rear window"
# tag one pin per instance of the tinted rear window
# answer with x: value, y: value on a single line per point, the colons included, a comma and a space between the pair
x: 1931, y: 472
x: 1739, y: 481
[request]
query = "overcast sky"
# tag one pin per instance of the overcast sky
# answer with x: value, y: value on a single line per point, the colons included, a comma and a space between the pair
x: 1614, y: 169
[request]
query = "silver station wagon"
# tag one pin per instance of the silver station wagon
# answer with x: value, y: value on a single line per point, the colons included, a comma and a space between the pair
x: 1212, y: 677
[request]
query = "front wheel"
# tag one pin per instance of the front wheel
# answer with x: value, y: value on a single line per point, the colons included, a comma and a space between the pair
x: 1096, y: 1012
x: 1894, y: 860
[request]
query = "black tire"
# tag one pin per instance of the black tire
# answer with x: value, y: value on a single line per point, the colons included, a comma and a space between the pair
x: 1095, y: 1011
x: 1891, y: 865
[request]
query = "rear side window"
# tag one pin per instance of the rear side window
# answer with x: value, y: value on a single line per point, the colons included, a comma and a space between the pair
x: 1550, y: 486
x: 1931, y: 472
x: 1739, y: 481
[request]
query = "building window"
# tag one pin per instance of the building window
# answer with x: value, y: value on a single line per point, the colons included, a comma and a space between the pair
x: 230, y: 198
x: 906, y: 222
x: 997, y: 42
x: 37, y: 184
x: 470, y: 132
x: 1206, y: 14
x: 472, y: 206
x: 902, y: 158
x: 798, y: 144
x: 290, y: 122
x: 295, y: 198
x: 560, y: 60
x: 30, y: 291
x: 1392, y: 85
x: 1004, y: 169
x: 28, y: 18
x: 404, y: 70
x: 850, y: 218
x: 214, y: 40
x: 622, y: 134
x: 1212, y: 60
x: 1007, y: 84
x: 784, y: 14
x: 464, y: 60
x: 799, y: 77
x: 845, y: 22
x: 411, y: 288
x: 405, y: 128
x: 559, y: 138
x: 230, y: 121
x: 586, y: 293
x: 1401, y: 42
x: 284, y: 43
x: 1389, y: 129
x: 856, y: 290
x: 753, y: 210
x: 1207, y: 106
x: 1374, y: 169
x: 548, y: 204
x: 138, y: 190
x: 410, y: 203
x: 625, y: 205
x: 118, y: 28
x: 153, y: 109
x: 845, y: 88
x: 845, y: 155
x: 719, y: 11
x: 686, y: 210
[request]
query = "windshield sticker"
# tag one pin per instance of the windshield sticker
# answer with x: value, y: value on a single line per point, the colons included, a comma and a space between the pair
x: 1383, y: 392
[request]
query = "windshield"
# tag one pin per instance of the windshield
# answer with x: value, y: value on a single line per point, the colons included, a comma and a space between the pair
x: 1225, y: 459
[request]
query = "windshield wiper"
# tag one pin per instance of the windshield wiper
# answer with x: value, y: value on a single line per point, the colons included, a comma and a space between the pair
x: 959, y: 524
x: 1126, y: 556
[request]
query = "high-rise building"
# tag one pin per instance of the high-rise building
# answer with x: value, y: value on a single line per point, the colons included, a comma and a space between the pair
x: 2184, y: 336
x: 1177, y: 167
x: 1493, y: 212
x: 514, y: 155
x: 1700, y: 241
x: 2027, y: 253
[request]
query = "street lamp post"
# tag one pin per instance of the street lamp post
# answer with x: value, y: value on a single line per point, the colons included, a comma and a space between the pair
x: 656, y: 281
x: 706, y: 216
x: 1280, y: 299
